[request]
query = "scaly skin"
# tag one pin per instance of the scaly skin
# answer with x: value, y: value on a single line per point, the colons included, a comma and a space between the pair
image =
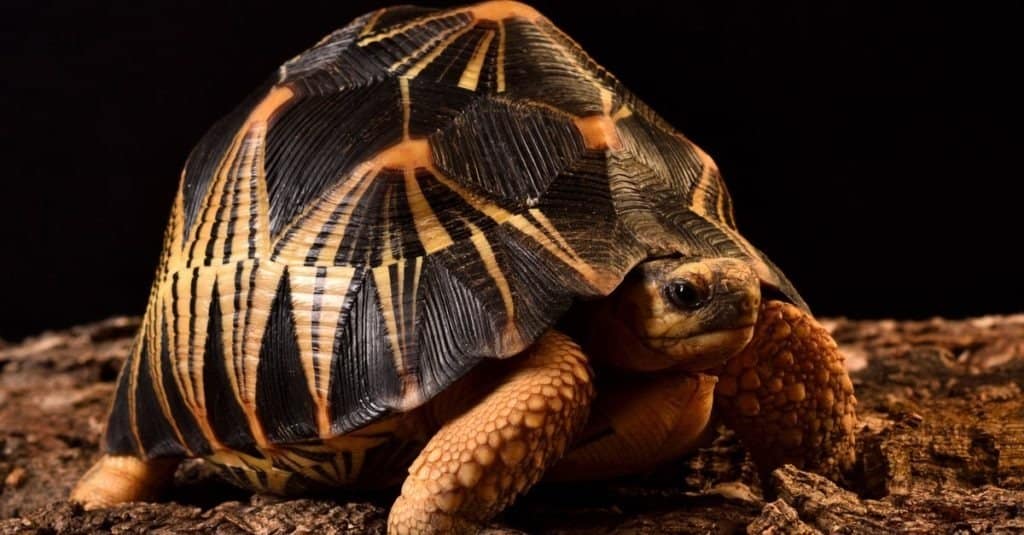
x: 483, y: 458
x: 638, y: 423
x: 788, y: 395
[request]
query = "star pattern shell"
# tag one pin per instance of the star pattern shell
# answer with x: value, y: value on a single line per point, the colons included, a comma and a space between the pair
x: 420, y: 190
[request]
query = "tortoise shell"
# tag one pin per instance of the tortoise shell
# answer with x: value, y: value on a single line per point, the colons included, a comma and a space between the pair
x: 420, y: 190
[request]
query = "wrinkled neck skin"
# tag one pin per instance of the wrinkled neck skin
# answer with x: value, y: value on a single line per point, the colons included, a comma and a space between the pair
x: 610, y: 342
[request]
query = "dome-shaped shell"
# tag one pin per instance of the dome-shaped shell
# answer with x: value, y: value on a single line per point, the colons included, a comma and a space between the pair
x: 420, y: 190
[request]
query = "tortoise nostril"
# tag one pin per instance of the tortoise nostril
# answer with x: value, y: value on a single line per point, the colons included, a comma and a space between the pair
x: 741, y: 304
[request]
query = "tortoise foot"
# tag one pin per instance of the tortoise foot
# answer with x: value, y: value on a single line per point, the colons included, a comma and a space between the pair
x: 496, y: 449
x: 788, y: 395
x: 117, y: 479
x: 408, y: 517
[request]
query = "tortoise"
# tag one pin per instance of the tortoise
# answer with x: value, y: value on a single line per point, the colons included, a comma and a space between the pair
x: 447, y: 246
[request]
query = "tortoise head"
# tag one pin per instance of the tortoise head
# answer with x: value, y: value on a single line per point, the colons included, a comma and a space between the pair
x: 684, y: 313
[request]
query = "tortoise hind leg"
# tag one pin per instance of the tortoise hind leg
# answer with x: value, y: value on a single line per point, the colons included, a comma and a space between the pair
x: 487, y: 454
x: 788, y: 395
x: 117, y: 479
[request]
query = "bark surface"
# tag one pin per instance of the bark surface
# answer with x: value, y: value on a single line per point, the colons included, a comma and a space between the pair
x: 940, y: 449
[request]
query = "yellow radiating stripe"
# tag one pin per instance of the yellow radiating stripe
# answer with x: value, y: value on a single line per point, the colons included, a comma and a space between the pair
x: 244, y: 317
x: 229, y: 336
x: 208, y: 212
x: 471, y: 75
x: 488, y: 208
x: 701, y: 189
x: 491, y: 11
x: 299, y: 240
x: 261, y: 297
x: 417, y: 271
x: 133, y: 385
x: 161, y: 308
x: 316, y: 359
x: 501, y: 57
x: 417, y: 268
x: 190, y: 384
x: 421, y: 49
x: 606, y: 100
x: 598, y: 281
x: 203, y: 296
x: 275, y: 99
x: 699, y: 200
x: 177, y: 231
x: 483, y: 248
x: 340, y: 227
x: 394, y: 318
x: 429, y: 229
x: 245, y: 362
x: 304, y: 465
x: 357, y: 446
x: 387, y: 239
x: 178, y: 336
x: 399, y: 309
x: 382, y: 278
x: 372, y: 22
x: 403, y: 85
x: 182, y: 342
x: 222, y: 213
x: 720, y: 207
x: 174, y: 337
x: 429, y: 58
x: 337, y: 282
x: 403, y: 28
x: 262, y: 225
x: 546, y: 223
x: 241, y: 231
x: 622, y: 113
x: 238, y: 198
x: 567, y: 56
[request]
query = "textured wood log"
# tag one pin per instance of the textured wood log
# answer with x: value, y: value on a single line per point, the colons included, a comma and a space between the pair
x: 941, y: 449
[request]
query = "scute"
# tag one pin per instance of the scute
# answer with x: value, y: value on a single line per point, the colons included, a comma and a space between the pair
x: 207, y: 156
x: 507, y: 150
x: 532, y: 54
x: 217, y: 389
x: 321, y: 138
x: 421, y: 190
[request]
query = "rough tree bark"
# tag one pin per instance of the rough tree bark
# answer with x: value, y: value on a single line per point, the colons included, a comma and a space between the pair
x: 941, y: 450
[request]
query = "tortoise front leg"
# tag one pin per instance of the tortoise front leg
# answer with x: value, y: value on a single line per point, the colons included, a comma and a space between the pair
x: 491, y: 451
x: 117, y: 479
x: 788, y: 395
x: 638, y: 423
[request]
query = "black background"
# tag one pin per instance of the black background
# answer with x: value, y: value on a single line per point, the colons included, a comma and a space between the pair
x: 872, y: 150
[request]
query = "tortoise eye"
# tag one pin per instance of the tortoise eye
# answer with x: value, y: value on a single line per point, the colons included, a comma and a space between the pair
x: 684, y: 295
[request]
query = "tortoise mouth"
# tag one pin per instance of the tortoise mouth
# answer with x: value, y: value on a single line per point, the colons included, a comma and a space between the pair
x: 674, y: 339
x: 703, y: 351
